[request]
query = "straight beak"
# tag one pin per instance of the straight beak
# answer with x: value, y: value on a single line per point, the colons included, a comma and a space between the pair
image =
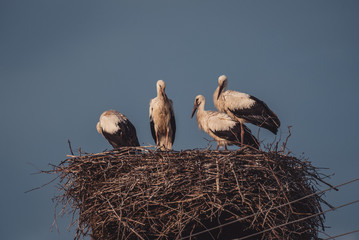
x: 164, y: 94
x: 220, y: 91
x: 194, y: 109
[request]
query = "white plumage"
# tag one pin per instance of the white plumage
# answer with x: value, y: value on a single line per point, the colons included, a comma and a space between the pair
x: 162, y: 118
x: 224, y: 130
x: 243, y: 107
x: 117, y: 129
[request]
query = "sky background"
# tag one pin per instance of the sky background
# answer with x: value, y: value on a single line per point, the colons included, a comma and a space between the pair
x: 62, y: 63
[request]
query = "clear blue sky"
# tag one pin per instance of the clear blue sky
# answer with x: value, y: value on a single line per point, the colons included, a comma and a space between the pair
x: 62, y: 63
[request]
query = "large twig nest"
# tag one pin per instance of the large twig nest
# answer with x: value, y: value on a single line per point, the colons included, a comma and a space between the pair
x: 150, y: 194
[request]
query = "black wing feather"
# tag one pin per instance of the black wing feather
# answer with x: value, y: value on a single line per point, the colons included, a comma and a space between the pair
x: 114, y: 139
x: 153, y: 132
x: 259, y: 114
x: 125, y: 136
x: 234, y: 135
x: 130, y: 134
x: 173, y: 126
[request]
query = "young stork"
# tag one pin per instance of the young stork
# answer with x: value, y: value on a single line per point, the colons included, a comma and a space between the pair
x: 224, y: 130
x: 117, y: 129
x: 244, y: 108
x: 162, y: 118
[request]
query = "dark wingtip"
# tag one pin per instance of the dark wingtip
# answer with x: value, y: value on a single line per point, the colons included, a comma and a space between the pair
x: 274, y: 131
x: 274, y: 128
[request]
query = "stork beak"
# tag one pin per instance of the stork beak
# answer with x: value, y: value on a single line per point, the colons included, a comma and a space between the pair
x: 164, y: 94
x: 194, y: 109
x: 220, y: 91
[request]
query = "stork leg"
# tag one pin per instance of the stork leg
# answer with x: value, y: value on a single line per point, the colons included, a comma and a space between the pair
x: 242, y: 134
x: 157, y: 143
x: 167, y: 138
x: 225, y: 147
x: 217, y: 147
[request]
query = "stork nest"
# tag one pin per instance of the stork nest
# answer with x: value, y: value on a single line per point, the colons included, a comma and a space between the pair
x: 140, y: 193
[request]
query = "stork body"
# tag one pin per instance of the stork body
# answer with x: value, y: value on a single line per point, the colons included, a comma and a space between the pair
x: 162, y: 118
x: 117, y: 129
x: 244, y: 108
x: 224, y: 130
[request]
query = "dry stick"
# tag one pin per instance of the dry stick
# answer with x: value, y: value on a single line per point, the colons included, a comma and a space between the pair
x: 298, y: 220
x: 276, y: 207
x: 191, y: 217
x: 279, y: 184
x: 124, y: 223
x: 43, y: 185
x: 235, y: 177
x: 326, y: 234
x: 287, y: 138
x: 336, y: 189
x: 343, y: 234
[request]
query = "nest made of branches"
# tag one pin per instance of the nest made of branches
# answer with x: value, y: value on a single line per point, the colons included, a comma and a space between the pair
x: 141, y: 193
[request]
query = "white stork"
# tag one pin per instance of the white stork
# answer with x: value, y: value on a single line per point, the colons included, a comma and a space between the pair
x: 243, y: 107
x: 117, y: 129
x: 162, y: 118
x: 224, y: 130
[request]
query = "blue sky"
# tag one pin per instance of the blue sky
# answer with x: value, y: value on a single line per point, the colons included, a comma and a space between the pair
x: 62, y: 63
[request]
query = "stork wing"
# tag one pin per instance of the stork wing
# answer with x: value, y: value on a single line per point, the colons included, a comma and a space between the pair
x: 152, y: 124
x: 251, y: 109
x: 224, y: 127
x: 173, y: 121
x: 248, y: 138
x: 221, y: 125
x: 129, y: 133
x: 237, y: 100
x: 124, y: 136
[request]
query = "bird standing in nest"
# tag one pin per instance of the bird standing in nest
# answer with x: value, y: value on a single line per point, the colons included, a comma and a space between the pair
x: 224, y: 130
x: 243, y: 107
x: 162, y: 118
x: 117, y: 129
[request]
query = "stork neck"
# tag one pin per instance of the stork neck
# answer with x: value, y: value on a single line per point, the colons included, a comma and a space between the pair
x: 201, y: 116
x: 224, y: 87
x: 201, y: 108
x: 159, y: 93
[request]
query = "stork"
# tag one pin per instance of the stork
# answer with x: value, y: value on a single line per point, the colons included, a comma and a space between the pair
x: 117, y: 129
x: 224, y: 130
x: 162, y: 118
x: 244, y: 108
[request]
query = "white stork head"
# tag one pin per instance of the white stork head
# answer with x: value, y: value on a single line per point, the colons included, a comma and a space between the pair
x: 99, y: 128
x: 197, y: 102
x: 161, y: 87
x: 222, y: 84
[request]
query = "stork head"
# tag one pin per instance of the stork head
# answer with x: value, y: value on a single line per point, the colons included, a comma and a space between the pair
x: 161, y: 86
x: 222, y: 84
x: 99, y: 128
x: 198, y: 101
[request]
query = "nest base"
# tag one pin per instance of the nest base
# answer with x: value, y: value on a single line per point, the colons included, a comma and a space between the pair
x: 139, y: 193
